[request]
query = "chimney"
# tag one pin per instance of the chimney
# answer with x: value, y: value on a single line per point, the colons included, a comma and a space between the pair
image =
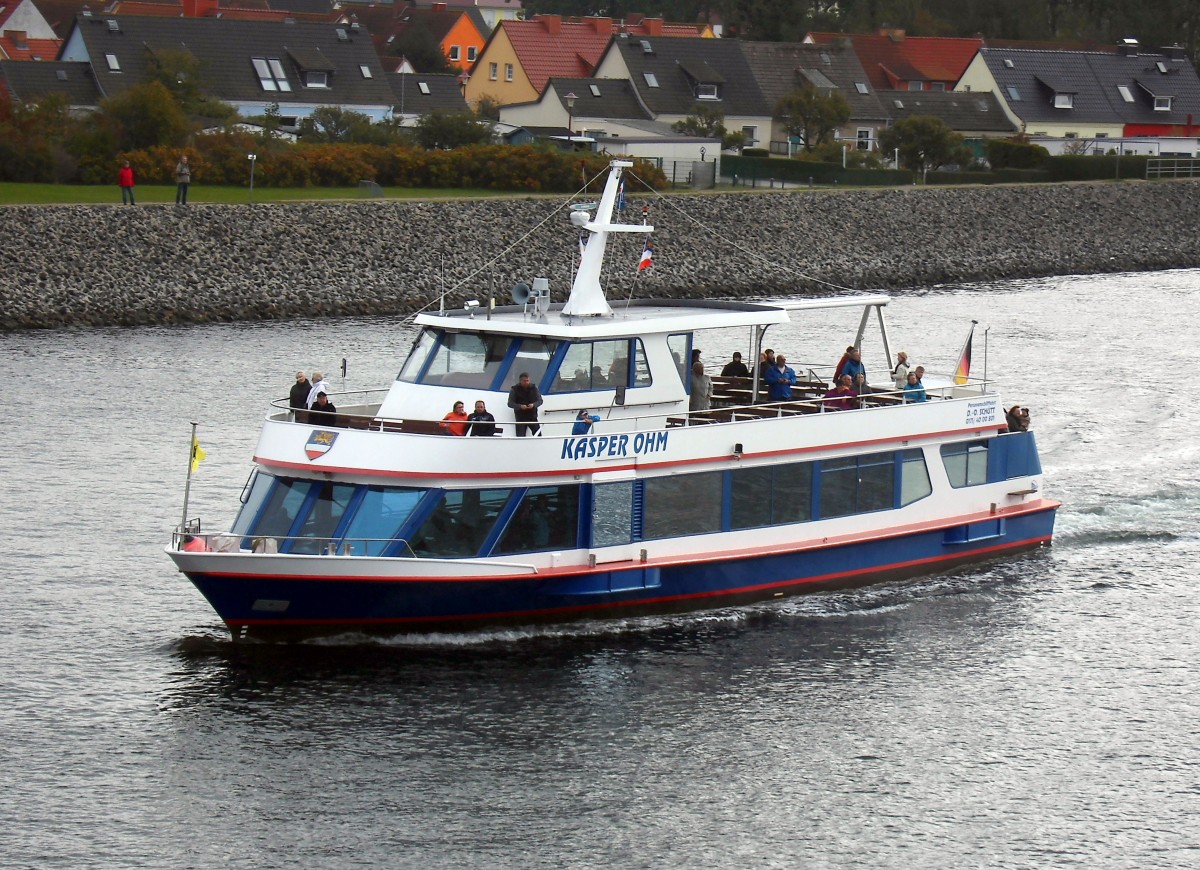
x: 438, y: 7
x: 552, y: 23
x: 895, y: 34
x: 653, y: 26
x: 1174, y: 52
x: 1129, y: 47
x: 602, y: 26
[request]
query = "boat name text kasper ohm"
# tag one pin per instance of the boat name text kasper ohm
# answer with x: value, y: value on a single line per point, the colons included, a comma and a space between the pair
x: 591, y: 446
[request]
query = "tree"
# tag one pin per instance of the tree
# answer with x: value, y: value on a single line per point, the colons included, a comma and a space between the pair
x: 335, y: 124
x: 418, y: 46
x: 811, y: 115
x: 451, y: 130
x: 924, y: 142
x: 708, y: 122
x: 144, y: 116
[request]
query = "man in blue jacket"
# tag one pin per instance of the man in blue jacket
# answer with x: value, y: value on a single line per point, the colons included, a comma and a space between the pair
x: 854, y: 367
x: 779, y: 379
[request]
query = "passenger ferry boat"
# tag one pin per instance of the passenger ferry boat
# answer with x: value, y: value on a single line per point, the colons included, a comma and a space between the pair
x: 379, y: 521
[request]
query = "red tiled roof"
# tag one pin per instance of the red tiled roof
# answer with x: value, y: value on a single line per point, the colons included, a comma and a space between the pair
x: 548, y: 46
x: 889, y: 59
x: 39, y: 49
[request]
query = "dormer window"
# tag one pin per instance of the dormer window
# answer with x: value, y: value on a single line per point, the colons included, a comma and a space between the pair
x: 1162, y: 104
x: 316, y: 79
x: 270, y: 74
x: 706, y: 92
x: 1064, y: 101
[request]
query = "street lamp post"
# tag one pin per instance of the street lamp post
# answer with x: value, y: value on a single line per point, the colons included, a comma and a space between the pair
x: 570, y: 98
x: 253, y: 158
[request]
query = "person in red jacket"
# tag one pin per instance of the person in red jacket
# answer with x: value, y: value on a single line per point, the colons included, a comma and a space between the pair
x: 125, y: 182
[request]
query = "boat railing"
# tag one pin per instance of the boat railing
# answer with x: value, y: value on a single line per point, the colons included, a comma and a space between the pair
x: 733, y: 401
x: 191, y: 539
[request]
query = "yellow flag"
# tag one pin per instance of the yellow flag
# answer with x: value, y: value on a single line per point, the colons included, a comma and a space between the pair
x: 198, y: 454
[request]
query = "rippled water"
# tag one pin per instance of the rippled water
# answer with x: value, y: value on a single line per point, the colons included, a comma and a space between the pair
x: 1037, y: 712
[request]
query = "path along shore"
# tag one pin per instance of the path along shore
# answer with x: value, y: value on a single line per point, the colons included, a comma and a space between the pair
x: 102, y: 265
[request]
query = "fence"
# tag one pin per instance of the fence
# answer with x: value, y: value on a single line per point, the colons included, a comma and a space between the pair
x: 1172, y: 167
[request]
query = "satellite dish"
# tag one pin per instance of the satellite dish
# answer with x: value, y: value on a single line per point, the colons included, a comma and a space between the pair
x: 520, y: 293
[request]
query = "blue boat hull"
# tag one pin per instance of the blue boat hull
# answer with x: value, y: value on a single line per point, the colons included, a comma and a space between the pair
x: 293, y: 608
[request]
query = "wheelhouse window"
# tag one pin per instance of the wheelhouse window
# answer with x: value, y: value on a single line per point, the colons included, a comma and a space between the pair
x: 598, y: 365
x: 966, y: 463
x: 282, y: 508
x: 457, y: 359
x: 323, y: 515
x: 378, y: 517
x: 680, y: 347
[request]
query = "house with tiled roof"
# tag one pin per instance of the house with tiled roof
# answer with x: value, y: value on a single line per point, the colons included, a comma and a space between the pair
x: 1090, y: 95
x: 638, y: 24
x: 585, y: 106
x: 895, y: 61
x: 418, y: 94
x: 520, y: 57
x: 782, y: 67
x: 294, y: 67
x: 976, y: 116
x: 25, y: 34
x: 460, y: 33
x: 490, y: 12
x: 672, y: 76
x: 28, y: 83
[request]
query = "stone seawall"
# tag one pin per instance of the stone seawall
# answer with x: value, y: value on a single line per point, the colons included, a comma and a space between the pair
x: 109, y: 264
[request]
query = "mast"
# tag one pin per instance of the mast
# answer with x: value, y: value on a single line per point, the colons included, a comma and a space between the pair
x: 587, y: 296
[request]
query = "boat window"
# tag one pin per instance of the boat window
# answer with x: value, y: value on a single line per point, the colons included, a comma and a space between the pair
x: 467, y: 359
x: 328, y: 508
x: 680, y: 346
x: 685, y: 504
x: 914, y: 477
x: 612, y: 514
x: 259, y: 487
x: 857, y: 484
x: 533, y: 356
x: 460, y: 523
x: 619, y: 374
x: 589, y: 365
x: 547, y: 519
x: 966, y: 463
x: 379, y: 517
x: 768, y: 496
x: 282, y: 507
x: 422, y: 347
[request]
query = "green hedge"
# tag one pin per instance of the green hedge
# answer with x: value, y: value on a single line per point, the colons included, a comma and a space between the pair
x: 758, y: 172
x: 1081, y: 167
x: 998, y: 176
x: 221, y: 159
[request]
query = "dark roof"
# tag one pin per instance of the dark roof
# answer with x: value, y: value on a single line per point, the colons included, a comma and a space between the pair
x: 601, y: 98
x: 225, y: 49
x: 779, y: 65
x: 678, y: 64
x: 409, y: 97
x: 28, y: 82
x: 963, y: 112
x: 1094, y: 80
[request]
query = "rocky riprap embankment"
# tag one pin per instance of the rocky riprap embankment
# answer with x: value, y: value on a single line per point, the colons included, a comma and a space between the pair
x: 104, y: 265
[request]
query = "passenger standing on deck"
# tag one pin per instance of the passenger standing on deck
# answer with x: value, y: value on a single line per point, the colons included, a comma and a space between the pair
x: 481, y: 421
x: 455, y: 422
x: 854, y: 366
x: 298, y: 398
x: 183, y: 178
x: 735, y: 368
x: 840, y: 369
x: 702, y: 389
x: 318, y: 384
x: 900, y: 371
x: 524, y: 398
x: 125, y: 182
x: 322, y: 412
x: 780, y: 378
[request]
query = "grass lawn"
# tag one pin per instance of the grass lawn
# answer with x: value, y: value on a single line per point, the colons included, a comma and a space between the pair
x: 12, y: 193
